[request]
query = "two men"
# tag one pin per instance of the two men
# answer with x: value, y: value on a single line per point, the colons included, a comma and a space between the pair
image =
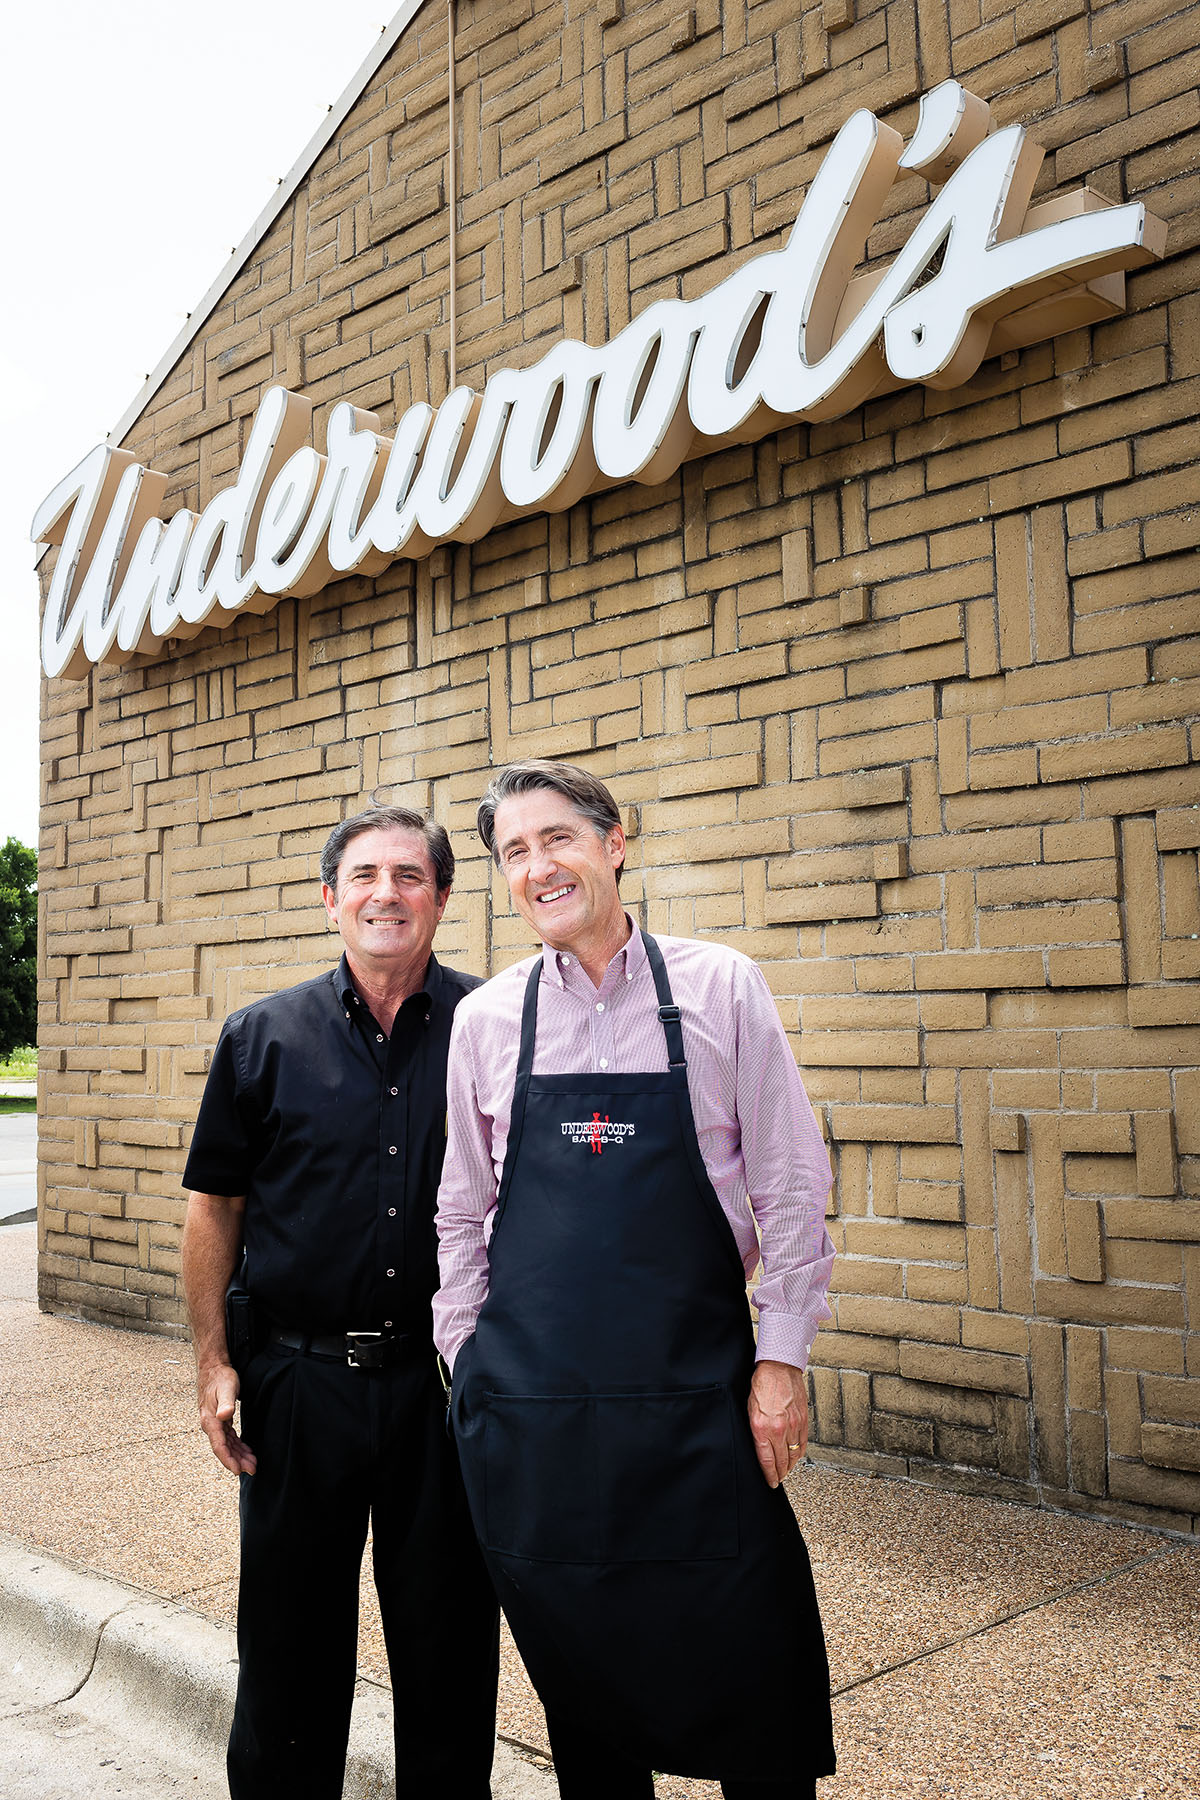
x: 317, y: 1153
x: 622, y: 1114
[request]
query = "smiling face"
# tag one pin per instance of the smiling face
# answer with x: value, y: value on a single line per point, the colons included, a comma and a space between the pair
x: 386, y: 906
x: 562, y: 874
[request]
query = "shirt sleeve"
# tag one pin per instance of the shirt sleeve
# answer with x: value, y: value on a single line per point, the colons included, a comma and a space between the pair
x: 221, y: 1157
x: 787, y: 1177
x: 466, y: 1201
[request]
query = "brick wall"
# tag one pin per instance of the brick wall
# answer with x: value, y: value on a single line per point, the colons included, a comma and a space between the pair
x: 903, y: 705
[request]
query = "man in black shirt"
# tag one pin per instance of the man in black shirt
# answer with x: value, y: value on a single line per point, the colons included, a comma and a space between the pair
x: 317, y: 1154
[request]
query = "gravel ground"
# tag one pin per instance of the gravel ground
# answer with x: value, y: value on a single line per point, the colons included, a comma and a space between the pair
x: 978, y: 1650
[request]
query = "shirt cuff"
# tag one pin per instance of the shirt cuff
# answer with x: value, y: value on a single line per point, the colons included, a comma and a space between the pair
x: 786, y: 1338
x: 450, y: 1334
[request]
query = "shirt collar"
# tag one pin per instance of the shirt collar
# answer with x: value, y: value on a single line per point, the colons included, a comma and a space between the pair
x: 629, y: 958
x: 344, y: 982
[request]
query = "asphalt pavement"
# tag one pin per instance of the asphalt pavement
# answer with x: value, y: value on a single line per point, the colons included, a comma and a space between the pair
x: 18, y: 1158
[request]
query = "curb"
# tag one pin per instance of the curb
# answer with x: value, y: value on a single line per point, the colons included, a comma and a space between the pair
x: 159, y: 1673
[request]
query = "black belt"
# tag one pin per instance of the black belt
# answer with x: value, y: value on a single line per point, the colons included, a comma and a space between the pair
x: 359, y: 1349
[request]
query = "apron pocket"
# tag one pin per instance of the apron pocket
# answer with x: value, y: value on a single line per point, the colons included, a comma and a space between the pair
x: 611, y: 1478
x: 537, y: 1475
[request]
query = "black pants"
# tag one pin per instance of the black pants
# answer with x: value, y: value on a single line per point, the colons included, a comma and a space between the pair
x: 335, y: 1447
x: 588, y: 1768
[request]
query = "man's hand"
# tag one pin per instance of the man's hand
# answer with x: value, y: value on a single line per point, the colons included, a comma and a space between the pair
x: 217, y: 1388
x: 778, y: 1418
x: 212, y: 1239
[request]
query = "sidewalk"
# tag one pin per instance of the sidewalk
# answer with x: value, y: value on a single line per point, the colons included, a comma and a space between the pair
x: 977, y: 1649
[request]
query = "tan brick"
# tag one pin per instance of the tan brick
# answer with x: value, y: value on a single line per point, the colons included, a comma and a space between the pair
x: 1154, y: 1138
x: 855, y: 1049
x: 922, y: 1400
x: 916, y: 1321
x: 850, y: 1350
x: 1084, y: 1377
x: 895, y: 1124
x: 937, y: 1281
x: 929, y: 1243
x: 1095, y: 1303
x: 1171, y: 1446
x: 996, y: 969
x: 1176, y: 1005
x: 1178, y: 828
x: 1088, y: 1453
x: 1008, y: 1131
x: 1151, y: 1350
x: 959, y: 1367
x: 1176, y: 1222
x: 1156, y: 1487
x: 832, y: 900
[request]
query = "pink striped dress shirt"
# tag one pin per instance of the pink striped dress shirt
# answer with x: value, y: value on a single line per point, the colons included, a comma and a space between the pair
x: 760, y: 1142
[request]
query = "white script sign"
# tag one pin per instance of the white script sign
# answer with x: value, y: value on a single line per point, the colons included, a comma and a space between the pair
x: 791, y: 335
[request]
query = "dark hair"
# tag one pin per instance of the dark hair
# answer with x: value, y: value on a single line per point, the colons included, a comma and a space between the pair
x: 586, y: 794
x: 375, y: 817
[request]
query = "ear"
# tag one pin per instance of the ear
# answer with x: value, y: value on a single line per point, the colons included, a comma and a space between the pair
x: 615, y: 844
x: 329, y: 896
x: 443, y: 899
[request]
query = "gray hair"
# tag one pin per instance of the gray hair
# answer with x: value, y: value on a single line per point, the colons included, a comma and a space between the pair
x: 405, y: 819
x: 586, y: 794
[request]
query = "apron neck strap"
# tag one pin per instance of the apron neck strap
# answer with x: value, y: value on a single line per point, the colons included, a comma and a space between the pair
x: 668, y: 1012
x: 529, y: 1014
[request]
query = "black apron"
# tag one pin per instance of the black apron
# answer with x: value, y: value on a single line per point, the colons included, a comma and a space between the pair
x: 657, y: 1589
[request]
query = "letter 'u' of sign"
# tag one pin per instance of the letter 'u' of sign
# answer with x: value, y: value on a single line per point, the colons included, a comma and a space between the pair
x: 792, y: 335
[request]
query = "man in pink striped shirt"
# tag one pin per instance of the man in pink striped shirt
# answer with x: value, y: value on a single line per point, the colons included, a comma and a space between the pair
x: 626, y: 1122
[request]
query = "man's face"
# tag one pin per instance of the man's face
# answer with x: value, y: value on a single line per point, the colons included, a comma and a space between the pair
x: 386, y: 906
x: 560, y: 872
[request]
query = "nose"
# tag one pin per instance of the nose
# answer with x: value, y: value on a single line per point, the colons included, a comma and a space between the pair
x: 541, y: 863
x: 386, y: 888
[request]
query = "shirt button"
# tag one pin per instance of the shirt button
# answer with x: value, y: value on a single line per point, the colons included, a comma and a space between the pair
x: 566, y: 962
x: 599, y: 1006
x: 391, y: 1149
x: 391, y: 1212
x: 428, y: 1016
x: 387, y: 1324
x: 604, y: 1062
x: 393, y: 1090
x: 347, y: 1015
x: 391, y: 1274
x: 379, y: 1037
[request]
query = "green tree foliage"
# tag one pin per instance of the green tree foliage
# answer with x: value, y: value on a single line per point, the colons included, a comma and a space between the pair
x: 18, y: 946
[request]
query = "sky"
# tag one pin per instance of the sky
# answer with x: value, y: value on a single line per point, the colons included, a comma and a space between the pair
x: 140, y: 141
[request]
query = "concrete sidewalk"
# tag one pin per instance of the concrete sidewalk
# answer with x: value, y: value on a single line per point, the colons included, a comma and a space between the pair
x: 977, y: 1649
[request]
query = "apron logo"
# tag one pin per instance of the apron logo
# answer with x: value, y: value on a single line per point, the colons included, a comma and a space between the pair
x: 596, y: 1132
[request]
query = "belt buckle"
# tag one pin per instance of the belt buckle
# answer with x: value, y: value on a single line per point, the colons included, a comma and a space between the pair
x: 360, y: 1340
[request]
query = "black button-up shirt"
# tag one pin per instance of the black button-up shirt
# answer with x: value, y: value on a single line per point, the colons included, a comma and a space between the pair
x: 335, y: 1133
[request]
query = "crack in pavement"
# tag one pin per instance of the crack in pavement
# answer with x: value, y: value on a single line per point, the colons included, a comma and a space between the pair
x: 964, y: 1637
x: 45, y: 1706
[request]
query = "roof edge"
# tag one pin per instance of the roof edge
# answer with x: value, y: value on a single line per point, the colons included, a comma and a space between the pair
x: 388, y: 38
